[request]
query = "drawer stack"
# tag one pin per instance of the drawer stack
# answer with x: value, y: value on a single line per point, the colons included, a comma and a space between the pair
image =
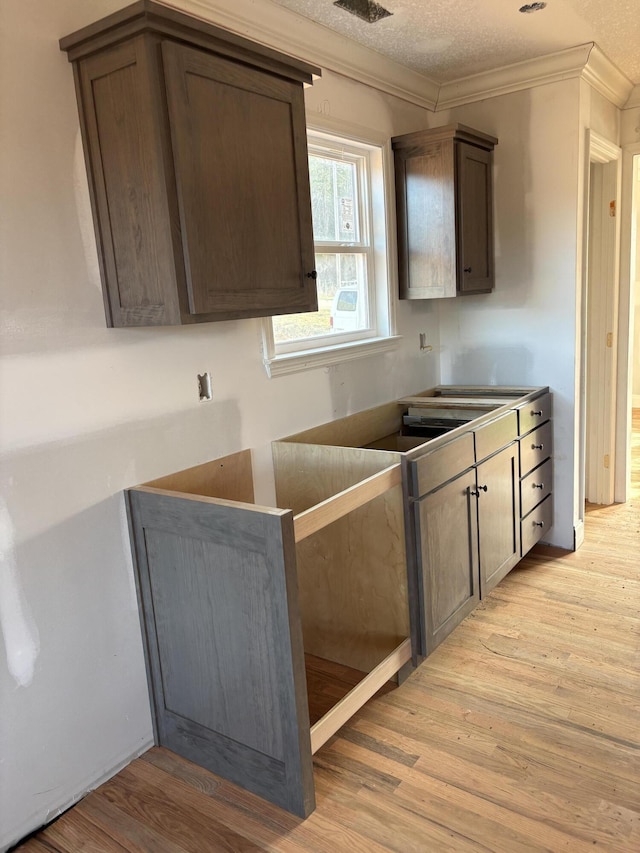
x: 535, y: 440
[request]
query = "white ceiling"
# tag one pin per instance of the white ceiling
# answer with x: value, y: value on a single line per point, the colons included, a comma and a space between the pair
x: 449, y: 39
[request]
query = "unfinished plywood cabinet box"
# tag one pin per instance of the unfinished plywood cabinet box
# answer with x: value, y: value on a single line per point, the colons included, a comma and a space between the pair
x: 237, y: 598
x: 194, y: 140
x: 444, y: 212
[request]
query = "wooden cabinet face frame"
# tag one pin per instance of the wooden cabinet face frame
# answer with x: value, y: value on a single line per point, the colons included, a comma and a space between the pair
x: 190, y: 229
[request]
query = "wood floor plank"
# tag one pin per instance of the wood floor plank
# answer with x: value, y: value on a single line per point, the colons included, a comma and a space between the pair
x: 519, y: 734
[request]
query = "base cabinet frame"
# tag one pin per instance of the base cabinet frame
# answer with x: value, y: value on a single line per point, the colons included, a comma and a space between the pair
x: 220, y: 584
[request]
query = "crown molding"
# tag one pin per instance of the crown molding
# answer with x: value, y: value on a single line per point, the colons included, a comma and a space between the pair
x: 606, y: 78
x: 284, y: 30
x: 633, y: 100
x: 563, y: 65
x: 279, y: 28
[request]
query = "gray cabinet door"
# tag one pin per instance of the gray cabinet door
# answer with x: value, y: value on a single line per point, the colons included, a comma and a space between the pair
x: 474, y: 219
x: 218, y: 588
x: 498, y: 516
x: 446, y: 524
x: 240, y: 153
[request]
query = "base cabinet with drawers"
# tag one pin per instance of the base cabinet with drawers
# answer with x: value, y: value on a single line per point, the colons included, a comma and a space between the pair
x: 535, y: 447
x: 380, y: 542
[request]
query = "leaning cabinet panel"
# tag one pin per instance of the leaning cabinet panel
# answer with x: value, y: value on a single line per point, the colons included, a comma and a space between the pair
x: 237, y: 599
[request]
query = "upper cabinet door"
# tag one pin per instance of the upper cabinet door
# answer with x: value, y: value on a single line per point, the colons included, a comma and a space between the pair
x: 425, y: 205
x: 475, y: 220
x: 240, y: 155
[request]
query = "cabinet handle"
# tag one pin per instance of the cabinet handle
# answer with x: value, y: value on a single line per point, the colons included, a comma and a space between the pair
x: 538, y: 485
x: 313, y: 274
x: 538, y: 523
x: 537, y: 446
x: 467, y: 269
x: 537, y: 414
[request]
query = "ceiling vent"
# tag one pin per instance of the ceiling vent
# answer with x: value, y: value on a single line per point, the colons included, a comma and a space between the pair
x: 367, y: 10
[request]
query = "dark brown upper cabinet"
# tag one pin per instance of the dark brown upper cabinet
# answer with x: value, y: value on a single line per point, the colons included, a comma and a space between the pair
x: 444, y: 212
x: 196, y: 152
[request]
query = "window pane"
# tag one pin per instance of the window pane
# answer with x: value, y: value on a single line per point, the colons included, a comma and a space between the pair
x: 333, y: 199
x: 342, y: 300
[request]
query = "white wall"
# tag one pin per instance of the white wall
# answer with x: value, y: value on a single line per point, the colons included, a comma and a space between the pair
x: 88, y: 411
x: 524, y: 332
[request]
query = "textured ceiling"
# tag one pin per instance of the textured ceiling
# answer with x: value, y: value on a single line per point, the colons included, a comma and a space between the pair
x: 449, y: 39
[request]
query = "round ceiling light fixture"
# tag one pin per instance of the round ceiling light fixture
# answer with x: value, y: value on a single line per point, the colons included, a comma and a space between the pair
x: 532, y: 7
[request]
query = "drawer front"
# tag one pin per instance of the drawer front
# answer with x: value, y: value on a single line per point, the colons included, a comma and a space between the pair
x: 531, y: 415
x: 495, y: 435
x: 535, y: 487
x: 437, y: 467
x: 536, y: 525
x: 535, y: 448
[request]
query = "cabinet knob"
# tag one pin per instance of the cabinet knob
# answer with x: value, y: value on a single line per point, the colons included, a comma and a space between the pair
x: 473, y: 492
x: 538, y: 485
x: 313, y: 274
x: 537, y: 446
x: 467, y: 269
x: 484, y: 488
x: 538, y: 523
x: 537, y: 414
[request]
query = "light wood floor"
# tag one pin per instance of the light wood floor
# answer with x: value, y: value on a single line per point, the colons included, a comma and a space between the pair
x: 519, y: 734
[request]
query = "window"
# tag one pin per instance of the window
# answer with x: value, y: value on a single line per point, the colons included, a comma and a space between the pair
x: 355, y: 315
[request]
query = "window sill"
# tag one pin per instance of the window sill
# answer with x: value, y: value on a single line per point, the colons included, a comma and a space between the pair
x: 281, y: 365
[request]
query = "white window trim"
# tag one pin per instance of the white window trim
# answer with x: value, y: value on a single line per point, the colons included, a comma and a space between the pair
x: 386, y: 288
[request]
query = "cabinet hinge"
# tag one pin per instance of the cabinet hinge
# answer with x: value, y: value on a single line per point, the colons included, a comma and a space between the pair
x: 606, y: 460
x: 612, y: 208
x: 609, y: 339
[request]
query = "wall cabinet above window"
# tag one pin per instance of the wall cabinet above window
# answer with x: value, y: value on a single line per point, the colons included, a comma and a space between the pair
x: 444, y: 212
x: 196, y: 153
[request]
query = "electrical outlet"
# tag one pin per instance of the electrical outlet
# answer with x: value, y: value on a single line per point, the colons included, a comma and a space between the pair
x: 204, y: 387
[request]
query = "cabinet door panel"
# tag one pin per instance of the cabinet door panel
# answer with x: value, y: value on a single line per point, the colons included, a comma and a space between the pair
x: 125, y: 155
x: 426, y: 221
x: 475, y: 243
x: 498, y: 516
x: 447, y: 530
x: 242, y: 178
x: 223, y: 642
